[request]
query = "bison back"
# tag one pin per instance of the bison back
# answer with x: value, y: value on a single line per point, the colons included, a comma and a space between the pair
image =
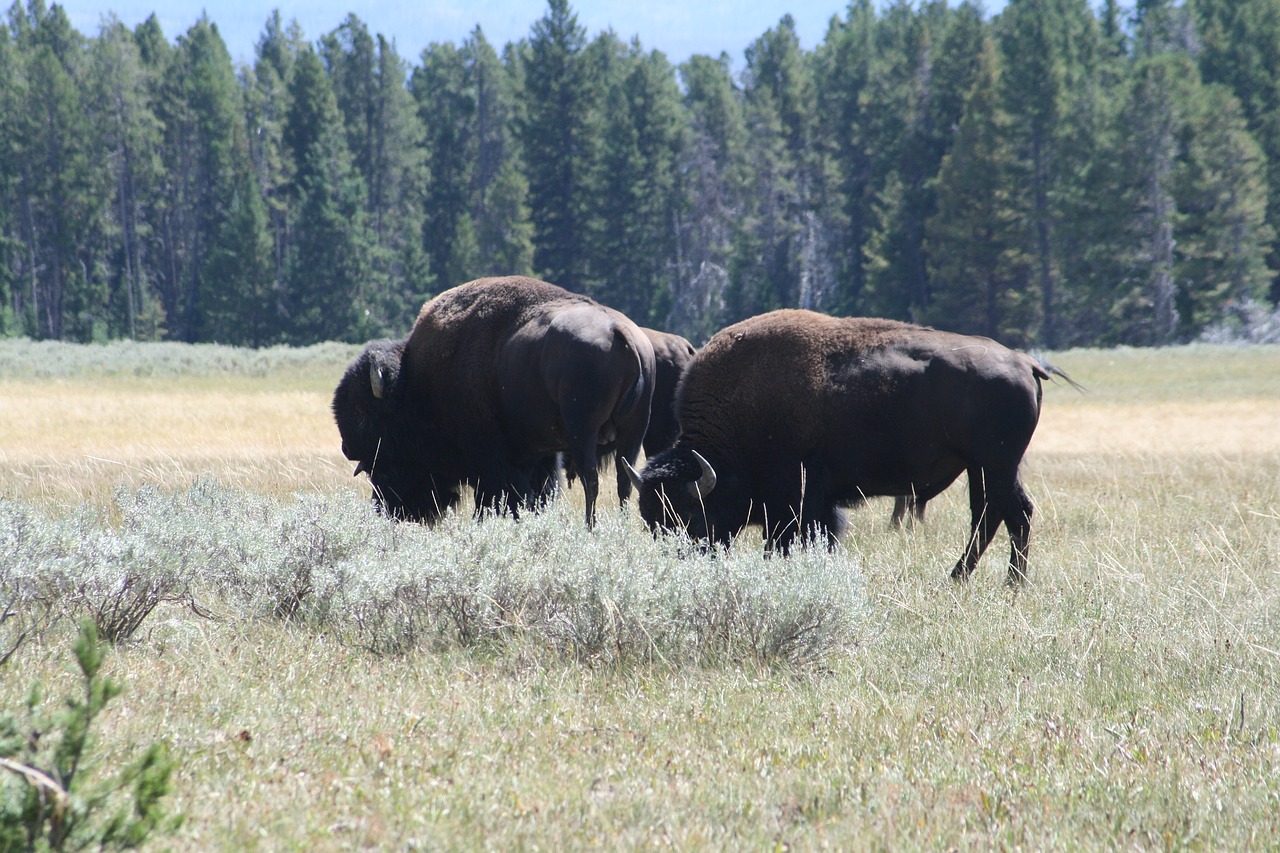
x: 672, y: 356
x: 879, y: 404
x: 451, y: 353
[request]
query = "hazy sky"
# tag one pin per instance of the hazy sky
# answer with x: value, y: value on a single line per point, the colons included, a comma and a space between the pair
x: 679, y: 28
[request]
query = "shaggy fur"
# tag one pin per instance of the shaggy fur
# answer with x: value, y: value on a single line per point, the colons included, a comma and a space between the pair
x: 672, y: 355
x: 497, y: 377
x: 800, y: 414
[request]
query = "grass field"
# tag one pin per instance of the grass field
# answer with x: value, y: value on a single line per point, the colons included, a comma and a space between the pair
x: 1127, y: 698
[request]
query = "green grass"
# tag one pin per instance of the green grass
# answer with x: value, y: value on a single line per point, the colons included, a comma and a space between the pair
x: 288, y: 367
x: 1125, y: 699
x: 1196, y: 373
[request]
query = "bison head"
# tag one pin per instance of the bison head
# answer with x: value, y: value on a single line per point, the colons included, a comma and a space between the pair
x: 385, y: 433
x: 677, y: 491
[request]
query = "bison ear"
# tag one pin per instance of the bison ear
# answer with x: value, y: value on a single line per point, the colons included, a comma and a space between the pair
x: 707, y: 480
x: 632, y: 474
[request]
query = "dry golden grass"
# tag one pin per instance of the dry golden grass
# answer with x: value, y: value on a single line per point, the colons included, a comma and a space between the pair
x: 1183, y: 400
x: 65, y: 441
x: 1223, y: 426
x: 68, y: 441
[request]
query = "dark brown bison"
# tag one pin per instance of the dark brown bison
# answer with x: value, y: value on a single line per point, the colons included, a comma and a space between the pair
x: 672, y: 355
x: 497, y: 376
x: 790, y: 415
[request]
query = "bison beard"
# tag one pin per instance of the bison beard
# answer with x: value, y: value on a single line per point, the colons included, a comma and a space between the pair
x: 798, y: 414
x: 497, y: 377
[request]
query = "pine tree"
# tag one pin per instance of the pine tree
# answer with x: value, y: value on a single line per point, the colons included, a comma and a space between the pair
x: 1223, y: 236
x: 500, y: 190
x: 778, y: 260
x: 266, y: 108
x: 844, y: 63
x: 977, y: 260
x: 12, y: 248
x: 906, y: 124
x: 1161, y: 88
x: 131, y: 137
x: 1053, y: 44
x: 382, y: 134
x: 205, y: 157
x: 1240, y: 42
x: 57, y: 200
x: 946, y: 76
x: 1098, y: 231
x: 558, y: 145
x: 329, y: 254
x: 636, y: 187
x: 446, y: 112
x: 239, y: 307
x: 711, y: 171
x: 476, y: 197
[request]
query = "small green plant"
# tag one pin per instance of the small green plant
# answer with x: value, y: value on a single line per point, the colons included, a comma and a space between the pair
x: 49, y: 796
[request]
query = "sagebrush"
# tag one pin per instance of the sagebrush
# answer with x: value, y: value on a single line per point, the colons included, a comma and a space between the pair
x: 332, y: 564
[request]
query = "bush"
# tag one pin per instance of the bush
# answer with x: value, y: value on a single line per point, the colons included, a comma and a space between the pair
x: 20, y: 357
x: 331, y: 564
x: 1249, y: 322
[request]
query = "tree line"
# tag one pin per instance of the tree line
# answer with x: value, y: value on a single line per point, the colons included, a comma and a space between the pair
x: 1055, y: 175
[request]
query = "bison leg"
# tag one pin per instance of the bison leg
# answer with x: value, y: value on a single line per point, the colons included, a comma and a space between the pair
x: 1017, y: 521
x: 806, y: 512
x: 544, y: 481
x: 983, y: 525
x: 908, y: 507
x: 899, y: 510
x: 503, y: 490
x: 996, y: 498
x: 583, y: 454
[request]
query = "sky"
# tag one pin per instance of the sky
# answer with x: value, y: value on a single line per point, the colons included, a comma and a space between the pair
x: 678, y: 28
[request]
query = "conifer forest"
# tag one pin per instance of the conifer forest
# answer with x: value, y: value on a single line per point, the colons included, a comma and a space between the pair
x: 1060, y: 174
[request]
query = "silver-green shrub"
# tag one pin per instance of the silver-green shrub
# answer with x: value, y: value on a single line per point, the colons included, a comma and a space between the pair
x: 21, y: 357
x: 26, y: 608
x: 330, y: 563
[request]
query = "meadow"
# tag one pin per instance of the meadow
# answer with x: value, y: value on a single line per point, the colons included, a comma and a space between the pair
x: 330, y: 680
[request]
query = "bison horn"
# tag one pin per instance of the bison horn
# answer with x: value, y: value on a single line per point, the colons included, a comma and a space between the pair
x: 378, y: 380
x: 360, y: 467
x: 707, y: 481
x: 632, y: 474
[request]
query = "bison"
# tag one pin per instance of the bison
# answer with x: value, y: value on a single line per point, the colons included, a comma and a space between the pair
x: 497, y: 376
x: 788, y: 416
x: 672, y: 355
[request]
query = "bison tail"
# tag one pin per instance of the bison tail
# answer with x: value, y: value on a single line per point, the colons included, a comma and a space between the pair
x: 1044, y: 370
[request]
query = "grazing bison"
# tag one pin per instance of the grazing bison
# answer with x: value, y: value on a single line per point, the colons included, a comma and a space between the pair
x: 672, y: 355
x: 497, y: 377
x: 790, y: 415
